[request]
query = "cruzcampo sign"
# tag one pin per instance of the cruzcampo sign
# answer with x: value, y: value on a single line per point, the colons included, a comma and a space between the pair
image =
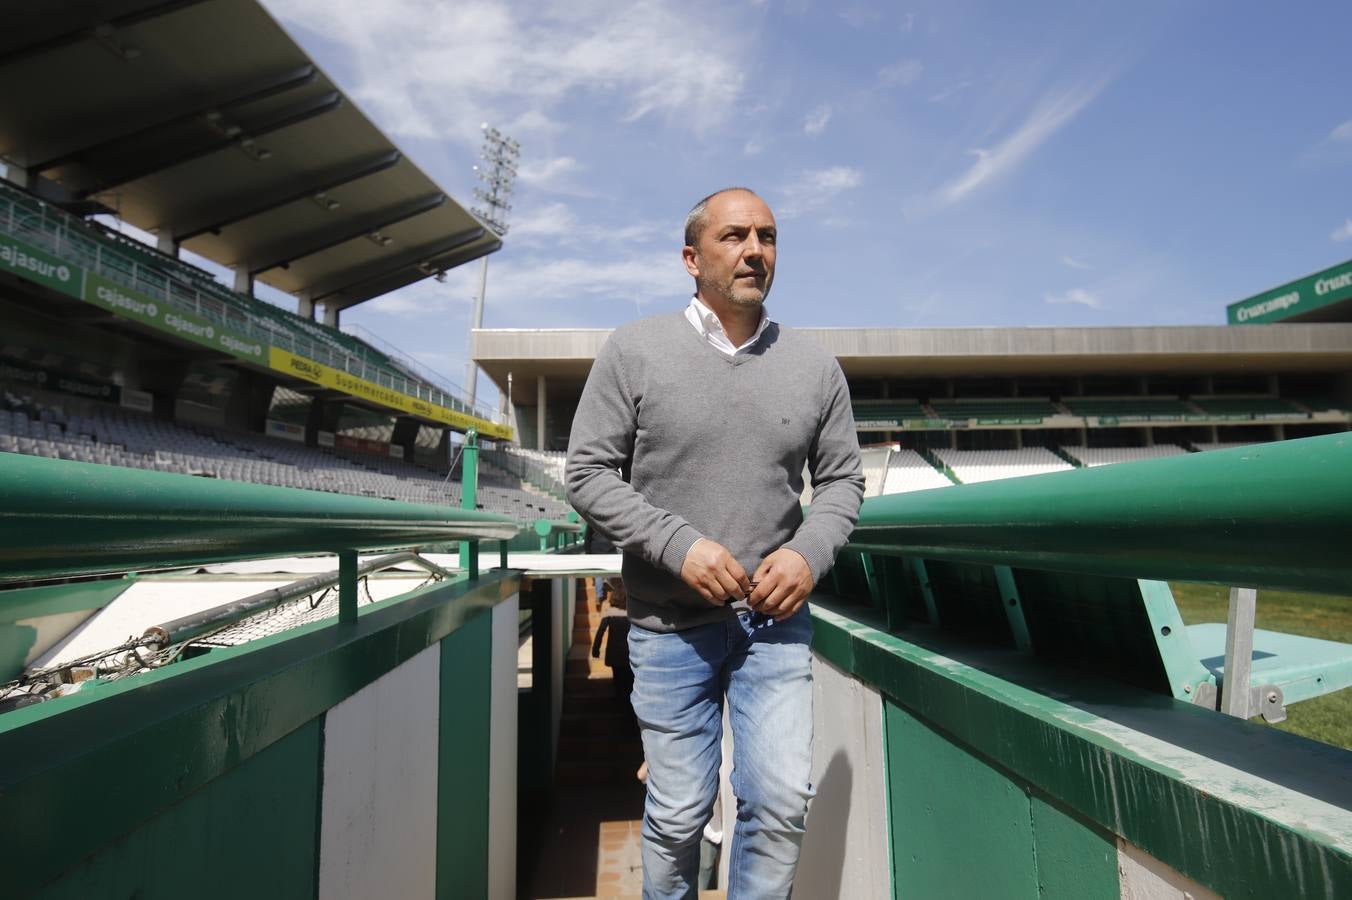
x: 161, y: 316
x: 29, y: 262
x: 316, y: 373
x: 1333, y: 285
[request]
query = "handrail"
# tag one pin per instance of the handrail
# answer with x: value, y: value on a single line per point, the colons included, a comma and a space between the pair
x: 54, y: 234
x: 1275, y: 515
x: 61, y: 518
x: 553, y: 530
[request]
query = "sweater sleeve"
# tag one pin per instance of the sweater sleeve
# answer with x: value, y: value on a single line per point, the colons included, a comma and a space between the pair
x: 601, y: 443
x: 837, y: 480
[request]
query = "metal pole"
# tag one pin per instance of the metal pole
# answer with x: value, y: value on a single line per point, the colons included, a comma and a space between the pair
x: 476, y: 321
x: 347, y: 587
x: 469, y: 498
x: 1239, y: 653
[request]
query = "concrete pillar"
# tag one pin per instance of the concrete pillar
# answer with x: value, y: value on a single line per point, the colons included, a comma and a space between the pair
x: 330, y: 316
x: 244, y: 281
x: 246, y: 409
x: 18, y: 175
x: 540, y: 412
x: 406, y: 435
x: 1149, y: 436
x: 163, y: 378
x: 323, y: 416
x: 165, y: 243
x: 305, y: 306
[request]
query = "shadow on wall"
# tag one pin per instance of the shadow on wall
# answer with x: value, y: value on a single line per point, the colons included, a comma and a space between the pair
x: 821, y: 867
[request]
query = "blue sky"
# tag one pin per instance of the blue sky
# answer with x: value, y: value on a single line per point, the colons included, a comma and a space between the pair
x: 931, y: 164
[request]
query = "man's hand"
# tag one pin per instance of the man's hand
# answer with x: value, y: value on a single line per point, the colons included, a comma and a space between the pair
x: 783, y: 581
x: 710, y: 569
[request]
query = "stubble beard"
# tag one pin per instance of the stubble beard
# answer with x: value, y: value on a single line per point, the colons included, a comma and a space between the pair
x: 738, y: 297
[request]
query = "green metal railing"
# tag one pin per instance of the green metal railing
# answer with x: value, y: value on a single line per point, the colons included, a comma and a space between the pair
x: 63, y: 518
x: 1273, y: 515
x: 64, y: 237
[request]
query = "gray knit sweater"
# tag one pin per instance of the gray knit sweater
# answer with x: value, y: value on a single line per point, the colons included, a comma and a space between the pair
x: 715, y: 447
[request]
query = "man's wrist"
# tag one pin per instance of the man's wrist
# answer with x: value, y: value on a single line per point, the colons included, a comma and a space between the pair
x: 678, y: 547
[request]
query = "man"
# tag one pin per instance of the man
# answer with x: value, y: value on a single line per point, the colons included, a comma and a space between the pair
x: 714, y: 413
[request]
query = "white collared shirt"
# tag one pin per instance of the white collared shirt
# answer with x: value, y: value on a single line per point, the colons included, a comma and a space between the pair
x: 707, y: 324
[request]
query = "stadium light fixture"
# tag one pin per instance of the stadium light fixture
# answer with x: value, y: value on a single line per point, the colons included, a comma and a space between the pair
x: 501, y: 156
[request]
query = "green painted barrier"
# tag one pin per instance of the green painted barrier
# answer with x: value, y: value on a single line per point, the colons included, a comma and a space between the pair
x: 60, y: 518
x: 1273, y: 515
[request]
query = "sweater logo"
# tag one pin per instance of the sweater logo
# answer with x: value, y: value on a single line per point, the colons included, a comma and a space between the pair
x: 783, y: 421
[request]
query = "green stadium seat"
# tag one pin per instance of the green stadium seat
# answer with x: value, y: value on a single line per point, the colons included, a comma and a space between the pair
x: 1303, y: 667
x: 885, y: 411
x: 1163, y: 408
x: 1246, y: 407
x: 995, y: 408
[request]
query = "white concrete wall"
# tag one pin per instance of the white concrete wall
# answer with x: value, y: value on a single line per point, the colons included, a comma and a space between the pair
x: 845, y: 852
x: 1142, y: 877
x: 560, y: 598
x: 502, y: 749
x: 378, y: 830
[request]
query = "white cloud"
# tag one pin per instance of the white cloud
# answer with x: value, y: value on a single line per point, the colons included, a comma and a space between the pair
x: 1049, y: 117
x: 901, y: 74
x: 752, y: 148
x: 943, y: 94
x: 815, y: 122
x: 439, y: 72
x: 1077, y: 296
x: 1343, y: 133
x: 814, y: 189
x: 549, y: 173
x: 1343, y: 232
x: 1073, y: 263
x: 555, y: 224
x: 860, y: 16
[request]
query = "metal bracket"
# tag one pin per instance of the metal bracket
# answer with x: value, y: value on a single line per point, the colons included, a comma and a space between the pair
x: 1013, y: 606
x: 1266, y: 700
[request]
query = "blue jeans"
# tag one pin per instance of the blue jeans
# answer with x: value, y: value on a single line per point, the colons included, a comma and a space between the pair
x: 680, y: 679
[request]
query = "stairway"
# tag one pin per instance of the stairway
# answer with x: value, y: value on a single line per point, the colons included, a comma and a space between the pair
x: 598, y: 738
x: 594, y: 853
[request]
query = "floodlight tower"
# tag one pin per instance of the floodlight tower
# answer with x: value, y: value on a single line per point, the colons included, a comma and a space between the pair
x: 498, y: 174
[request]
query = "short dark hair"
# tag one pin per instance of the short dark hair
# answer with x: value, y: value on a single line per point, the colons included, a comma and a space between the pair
x: 694, y: 220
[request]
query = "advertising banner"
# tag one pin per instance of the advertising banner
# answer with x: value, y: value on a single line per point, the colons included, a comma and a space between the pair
x: 159, y: 315
x: 141, y: 401
x: 362, y: 445
x: 286, y: 431
x: 1332, y: 285
x: 60, y: 382
x: 324, y: 438
x: 40, y: 267
x: 298, y: 366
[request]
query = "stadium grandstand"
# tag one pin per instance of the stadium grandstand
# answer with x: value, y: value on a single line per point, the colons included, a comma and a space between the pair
x: 249, y: 646
x: 260, y: 165
x: 978, y: 404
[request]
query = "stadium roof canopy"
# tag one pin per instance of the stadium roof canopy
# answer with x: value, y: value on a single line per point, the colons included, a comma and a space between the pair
x: 206, y: 122
x: 564, y: 356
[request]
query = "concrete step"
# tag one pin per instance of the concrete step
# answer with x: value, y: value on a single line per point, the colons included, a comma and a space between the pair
x: 594, y: 773
x: 619, y: 750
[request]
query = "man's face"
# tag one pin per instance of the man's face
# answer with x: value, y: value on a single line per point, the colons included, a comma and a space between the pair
x: 734, y: 256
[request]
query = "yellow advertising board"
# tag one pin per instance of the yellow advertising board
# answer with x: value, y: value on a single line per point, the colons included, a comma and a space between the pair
x: 299, y: 367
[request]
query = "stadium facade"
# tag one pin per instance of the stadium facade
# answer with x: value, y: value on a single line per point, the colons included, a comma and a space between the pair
x: 1006, y: 388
